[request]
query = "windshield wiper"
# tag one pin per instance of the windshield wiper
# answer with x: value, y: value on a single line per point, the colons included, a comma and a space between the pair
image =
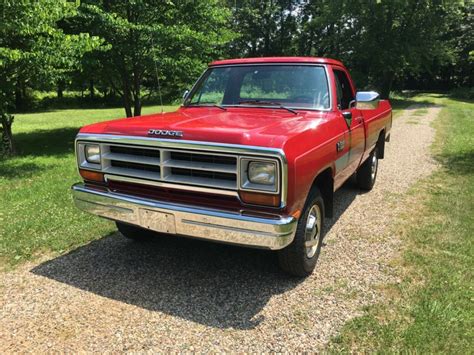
x: 268, y: 103
x: 207, y: 104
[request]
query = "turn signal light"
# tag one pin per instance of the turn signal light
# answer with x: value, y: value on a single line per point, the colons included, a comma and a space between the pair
x: 91, y: 175
x: 296, y: 214
x: 257, y: 198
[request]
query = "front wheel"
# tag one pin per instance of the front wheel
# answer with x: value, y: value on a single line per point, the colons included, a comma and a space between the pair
x: 367, y: 172
x: 300, y: 257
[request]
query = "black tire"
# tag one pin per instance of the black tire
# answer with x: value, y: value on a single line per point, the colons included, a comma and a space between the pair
x: 295, y: 259
x: 365, y: 175
x: 135, y: 233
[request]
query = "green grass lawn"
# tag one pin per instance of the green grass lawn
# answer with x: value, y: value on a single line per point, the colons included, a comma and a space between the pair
x: 37, y: 214
x: 432, y: 309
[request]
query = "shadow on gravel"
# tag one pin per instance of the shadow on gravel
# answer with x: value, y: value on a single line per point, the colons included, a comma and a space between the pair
x: 216, y: 285
x: 343, y: 198
x: 213, y: 284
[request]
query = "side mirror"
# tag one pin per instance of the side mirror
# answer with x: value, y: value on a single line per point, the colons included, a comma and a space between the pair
x: 185, y: 94
x: 367, y: 100
x: 348, y: 117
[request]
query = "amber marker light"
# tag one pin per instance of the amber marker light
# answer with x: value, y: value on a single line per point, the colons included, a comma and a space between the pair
x: 257, y: 198
x: 91, y: 175
x: 296, y: 214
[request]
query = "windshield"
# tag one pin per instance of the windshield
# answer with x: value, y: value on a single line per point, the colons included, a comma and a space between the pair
x: 293, y: 86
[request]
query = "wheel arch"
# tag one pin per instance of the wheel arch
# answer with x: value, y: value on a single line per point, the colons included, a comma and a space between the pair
x: 324, y: 181
x: 381, y: 144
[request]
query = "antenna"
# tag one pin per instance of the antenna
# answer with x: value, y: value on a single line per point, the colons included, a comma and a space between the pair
x: 156, y: 73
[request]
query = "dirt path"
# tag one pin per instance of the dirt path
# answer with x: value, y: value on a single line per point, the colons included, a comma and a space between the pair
x: 187, y: 295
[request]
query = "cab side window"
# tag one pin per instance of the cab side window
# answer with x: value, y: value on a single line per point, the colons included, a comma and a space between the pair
x: 344, y: 90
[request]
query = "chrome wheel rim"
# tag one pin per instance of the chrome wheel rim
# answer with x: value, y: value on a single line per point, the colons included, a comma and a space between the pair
x: 313, y: 230
x: 373, y: 166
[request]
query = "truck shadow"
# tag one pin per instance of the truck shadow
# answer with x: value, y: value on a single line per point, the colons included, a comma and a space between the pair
x: 212, y: 284
x: 343, y: 198
x: 216, y: 285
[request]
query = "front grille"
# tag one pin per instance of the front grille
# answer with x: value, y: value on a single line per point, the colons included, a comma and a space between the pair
x: 203, y: 158
x: 135, y: 166
x: 152, y: 153
x: 169, y: 165
x: 202, y: 174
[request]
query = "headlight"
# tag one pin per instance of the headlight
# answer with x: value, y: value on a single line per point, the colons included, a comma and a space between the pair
x: 262, y: 172
x: 259, y: 175
x: 92, y: 153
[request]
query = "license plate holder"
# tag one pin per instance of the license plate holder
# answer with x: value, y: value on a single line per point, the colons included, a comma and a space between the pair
x: 157, y: 221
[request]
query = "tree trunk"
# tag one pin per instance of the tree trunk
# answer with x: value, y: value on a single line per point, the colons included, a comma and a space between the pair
x: 282, y: 30
x: 20, y: 94
x: 137, y: 106
x: 137, y: 100
x: 91, y: 89
x: 60, y: 90
x: 7, y: 147
x: 386, y: 86
x: 18, y: 98
x: 127, y: 95
x: 127, y: 105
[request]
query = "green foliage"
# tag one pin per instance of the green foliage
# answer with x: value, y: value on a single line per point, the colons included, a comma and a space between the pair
x: 265, y: 28
x: 147, y: 38
x: 462, y: 39
x: 382, y: 42
x: 399, y: 38
x: 34, y: 51
x: 119, y: 48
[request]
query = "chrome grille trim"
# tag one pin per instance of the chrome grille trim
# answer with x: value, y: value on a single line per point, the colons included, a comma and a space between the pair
x: 189, y: 167
x: 224, y: 149
x: 130, y: 158
x: 220, y: 168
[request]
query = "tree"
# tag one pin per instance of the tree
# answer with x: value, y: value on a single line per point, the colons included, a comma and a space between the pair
x: 327, y: 29
x: 266, y: 28
x: 380, y: 40
x: 175, y: 39
x: 398, y: 37
x: 33, y: 51
x: 462, y: 36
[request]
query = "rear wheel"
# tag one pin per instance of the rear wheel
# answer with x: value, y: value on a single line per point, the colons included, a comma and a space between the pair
x: 135, y: 233
x: 300, y: 257
x: 367, y: 172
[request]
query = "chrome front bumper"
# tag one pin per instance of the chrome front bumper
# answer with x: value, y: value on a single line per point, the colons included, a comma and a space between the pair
x: 215, y: 225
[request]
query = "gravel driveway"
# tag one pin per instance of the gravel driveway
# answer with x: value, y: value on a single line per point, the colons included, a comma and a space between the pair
x: 178, y: 294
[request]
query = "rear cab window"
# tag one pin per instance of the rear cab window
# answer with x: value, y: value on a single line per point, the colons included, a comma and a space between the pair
x: 344, y: 91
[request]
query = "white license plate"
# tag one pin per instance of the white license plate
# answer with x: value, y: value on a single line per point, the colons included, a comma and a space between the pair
x: 157, y: 221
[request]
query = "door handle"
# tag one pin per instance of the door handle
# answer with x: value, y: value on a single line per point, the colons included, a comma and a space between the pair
x: 340, y: 145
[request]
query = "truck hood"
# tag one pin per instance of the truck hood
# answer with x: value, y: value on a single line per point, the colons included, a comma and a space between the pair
x: 265, y: 127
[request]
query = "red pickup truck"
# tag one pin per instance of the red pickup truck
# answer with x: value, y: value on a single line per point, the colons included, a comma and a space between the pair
x: 252, y: 157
